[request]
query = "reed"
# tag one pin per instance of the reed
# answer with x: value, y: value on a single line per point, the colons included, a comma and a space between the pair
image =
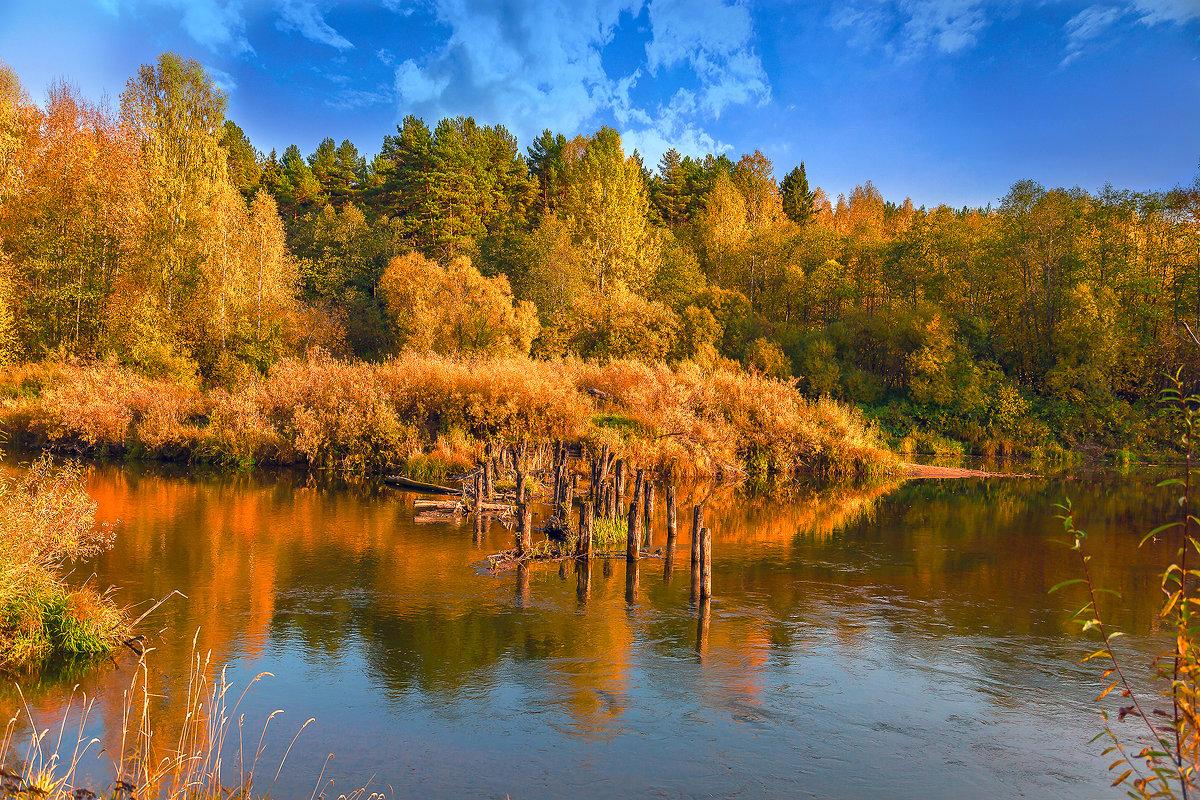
x: 199, y: 761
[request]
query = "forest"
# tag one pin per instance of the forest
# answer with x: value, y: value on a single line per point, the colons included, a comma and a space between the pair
x: 155, y: 238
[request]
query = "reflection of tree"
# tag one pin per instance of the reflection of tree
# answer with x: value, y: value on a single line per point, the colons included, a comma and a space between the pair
x: 273, y: 565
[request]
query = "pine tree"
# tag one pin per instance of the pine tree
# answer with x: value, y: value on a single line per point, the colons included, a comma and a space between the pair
x: 798, y: 199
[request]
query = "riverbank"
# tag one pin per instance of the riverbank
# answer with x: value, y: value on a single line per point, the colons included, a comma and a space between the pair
x: 47, y: 519
x: 428, y: 416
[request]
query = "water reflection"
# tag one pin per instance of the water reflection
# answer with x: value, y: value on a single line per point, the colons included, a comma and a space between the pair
x: 871, y: 621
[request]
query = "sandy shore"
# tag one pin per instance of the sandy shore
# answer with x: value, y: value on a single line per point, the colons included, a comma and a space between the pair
x: 928, y: 471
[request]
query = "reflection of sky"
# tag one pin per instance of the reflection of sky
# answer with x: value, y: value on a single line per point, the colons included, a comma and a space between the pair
x: 943, y: 100
x: 893, y: 654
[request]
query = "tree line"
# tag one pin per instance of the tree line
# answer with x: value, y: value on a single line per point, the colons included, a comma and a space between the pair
x: 159, y: 236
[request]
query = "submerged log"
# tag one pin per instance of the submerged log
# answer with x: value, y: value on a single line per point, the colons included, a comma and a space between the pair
x: 448, y: 505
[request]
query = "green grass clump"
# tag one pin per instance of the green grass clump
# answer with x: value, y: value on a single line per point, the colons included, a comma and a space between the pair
x: 609, y: 533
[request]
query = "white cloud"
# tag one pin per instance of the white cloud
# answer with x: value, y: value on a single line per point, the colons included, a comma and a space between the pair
x: 303, y: 17
x: 537, y: 64
x: 948, y: 26
x: 715, y: 39
x: 1154, y: 12
x: 220, y: 25
x: 910, y: 28
x: 414, y: 87
x: 348, y: 99
x: 1086, y: 26
x: 221, y: 79
x: 907, y: 29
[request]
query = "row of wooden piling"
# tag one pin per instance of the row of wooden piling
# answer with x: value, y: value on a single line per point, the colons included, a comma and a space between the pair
x: 608, y: 478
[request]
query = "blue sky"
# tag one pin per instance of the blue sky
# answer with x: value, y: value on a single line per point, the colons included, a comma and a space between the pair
x: 941, y: 100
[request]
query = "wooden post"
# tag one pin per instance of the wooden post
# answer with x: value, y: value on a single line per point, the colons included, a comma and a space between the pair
x: 524, y: 529
x: 557, y: 487
x: 619, y: 483
x: 648, y: 491
x: 672, y: 527
x: 586, y: 517
x: 697, y: 524
x: 672, y: 533
x: 610, y: 500
x: 633, y: 542
x: 520, y: 485
x: 572, y: 490
x: 487, y: 479
x: 478, y: 490
x: 633, y: 537
x: 705, y: 564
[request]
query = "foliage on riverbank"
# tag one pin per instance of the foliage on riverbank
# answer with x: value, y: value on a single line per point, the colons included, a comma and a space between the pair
x: 47, y: 519
x: 434, y: 414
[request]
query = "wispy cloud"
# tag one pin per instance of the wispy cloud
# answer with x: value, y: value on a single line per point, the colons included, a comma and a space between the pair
x: 1154, y: 12
x: 305, y: 18
x: 1086, y: 26
x: 349, y: 99
x: 220, y: 25
x: 908, y: 29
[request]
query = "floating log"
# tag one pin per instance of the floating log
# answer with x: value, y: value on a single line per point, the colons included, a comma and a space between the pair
x: 449, y: 505
x: 502, y: 508
x: 401, y: 482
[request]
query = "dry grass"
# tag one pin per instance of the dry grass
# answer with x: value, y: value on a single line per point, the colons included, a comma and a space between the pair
x: 430, y: 414
x: 193, y: 763
x: 47, y: 519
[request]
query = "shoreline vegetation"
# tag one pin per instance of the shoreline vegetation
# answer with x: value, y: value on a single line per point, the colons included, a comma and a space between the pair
x: 154, y: 236
x: 47, y: 519
x: 428, y: 416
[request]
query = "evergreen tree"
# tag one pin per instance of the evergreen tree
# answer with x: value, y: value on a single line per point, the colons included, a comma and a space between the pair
x: 798, y: 199
x: 244, y: 168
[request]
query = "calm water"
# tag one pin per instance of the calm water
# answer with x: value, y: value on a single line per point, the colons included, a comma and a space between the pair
x: 896, y: 643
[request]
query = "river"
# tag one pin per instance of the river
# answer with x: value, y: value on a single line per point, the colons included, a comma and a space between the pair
x: 895, y: 642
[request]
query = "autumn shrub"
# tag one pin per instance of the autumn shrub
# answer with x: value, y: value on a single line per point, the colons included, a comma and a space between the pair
x: 332, y: 414
x: 107, y: 407
x: 47, y: 519
x: 432, y: 414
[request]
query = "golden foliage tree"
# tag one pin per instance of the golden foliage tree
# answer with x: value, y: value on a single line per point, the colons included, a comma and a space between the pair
x: 454, y: 309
